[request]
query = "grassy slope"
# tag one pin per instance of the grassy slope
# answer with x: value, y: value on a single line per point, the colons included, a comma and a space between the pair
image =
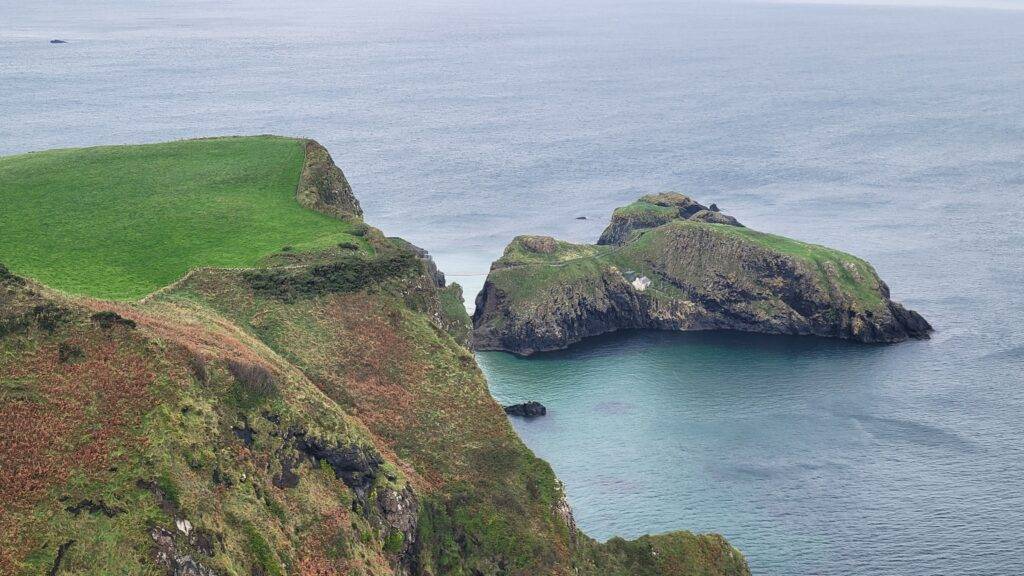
x: 862, y: 286
x: 529, y: 274
x: 118, y: 222
x: 421, y: 394
x: 642, y: 207
x: 132, y: 428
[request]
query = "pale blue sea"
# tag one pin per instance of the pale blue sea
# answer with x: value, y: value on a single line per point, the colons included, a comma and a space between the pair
x: 896, y: 133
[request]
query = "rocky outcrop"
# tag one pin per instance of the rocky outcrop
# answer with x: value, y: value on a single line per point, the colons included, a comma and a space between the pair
x: 704, y: 276
x: 323, y: 186
x: 531, y: 409
x: 176, y: 562
x: 654, y: 210
x: 311, y: 416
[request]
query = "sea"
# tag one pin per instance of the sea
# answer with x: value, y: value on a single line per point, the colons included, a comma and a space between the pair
x: 894, y: 131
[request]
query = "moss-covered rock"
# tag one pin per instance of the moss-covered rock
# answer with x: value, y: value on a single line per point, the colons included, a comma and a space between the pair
x: 666, y: 262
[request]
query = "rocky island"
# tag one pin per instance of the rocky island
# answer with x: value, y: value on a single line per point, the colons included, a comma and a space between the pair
x: 667, y: 262
x: 215, y: 366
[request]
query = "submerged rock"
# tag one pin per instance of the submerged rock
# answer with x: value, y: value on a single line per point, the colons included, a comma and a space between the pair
x: 529, y: 409
x: 683, y: 267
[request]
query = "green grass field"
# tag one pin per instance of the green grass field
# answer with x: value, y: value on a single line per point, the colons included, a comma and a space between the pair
x: 118, y: 222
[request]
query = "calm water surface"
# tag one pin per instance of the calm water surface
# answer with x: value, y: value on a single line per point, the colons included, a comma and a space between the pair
x: 893, y: 133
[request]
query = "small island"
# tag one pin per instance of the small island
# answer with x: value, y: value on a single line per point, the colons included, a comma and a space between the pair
x: 667, y: 262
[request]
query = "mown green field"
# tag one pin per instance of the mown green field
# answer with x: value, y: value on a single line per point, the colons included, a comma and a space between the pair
x: 118, y: 222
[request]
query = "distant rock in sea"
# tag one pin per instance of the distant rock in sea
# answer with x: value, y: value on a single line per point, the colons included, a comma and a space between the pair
x: 58, y: 41
x: 529, y: 409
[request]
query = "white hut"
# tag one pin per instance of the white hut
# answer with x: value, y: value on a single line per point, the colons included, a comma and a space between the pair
x: 641, y: 283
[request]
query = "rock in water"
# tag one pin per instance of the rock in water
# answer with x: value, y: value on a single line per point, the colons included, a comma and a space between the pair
x: 701, y: 270
x: 529, y: 409
x: 58, y: 41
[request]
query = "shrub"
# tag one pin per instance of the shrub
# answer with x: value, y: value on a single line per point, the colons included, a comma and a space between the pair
x: 197, y: 365
x: 109, y: 319
x: 349, y: 273
x: 256, y: 379
x: 264, y: 555
x: 393, y: 543
x: 69, y: 353
x: 49, y: 316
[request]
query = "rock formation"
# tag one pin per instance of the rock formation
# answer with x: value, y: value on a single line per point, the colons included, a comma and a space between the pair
x: 706, y: 272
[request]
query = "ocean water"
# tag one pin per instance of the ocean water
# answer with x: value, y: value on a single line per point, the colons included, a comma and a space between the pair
x: 893, y: 132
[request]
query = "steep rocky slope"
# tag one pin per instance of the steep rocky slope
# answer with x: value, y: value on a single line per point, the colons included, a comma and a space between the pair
x: 314, y: 415
x: 705, y: 270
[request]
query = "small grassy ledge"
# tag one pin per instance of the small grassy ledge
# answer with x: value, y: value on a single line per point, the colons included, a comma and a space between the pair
x: 118, y: 222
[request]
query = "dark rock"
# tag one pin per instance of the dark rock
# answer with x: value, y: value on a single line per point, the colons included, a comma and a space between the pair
x: 581, y: 217
x: 92, y: 507
x: 354, y: 465
x: 715, y: 217
x: 177, y: 562
x: 203, y: 541
x: 109, y: 319
x: 245, y: 433
x: 529, y: 409
x: 69, y: 353
x: 287, y: 478
x: 61, y: 551
x: 714, y: 207
x: 58, y: 41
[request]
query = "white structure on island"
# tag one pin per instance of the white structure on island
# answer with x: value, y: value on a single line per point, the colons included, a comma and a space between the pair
x: 641, y: 283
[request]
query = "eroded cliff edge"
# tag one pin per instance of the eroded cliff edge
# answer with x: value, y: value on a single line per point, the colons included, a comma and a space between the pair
x: 316, y: 414
x: 667, y: 262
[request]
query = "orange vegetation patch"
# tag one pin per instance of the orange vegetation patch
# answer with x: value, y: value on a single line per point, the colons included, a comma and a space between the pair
x: 66, y: 419
x: 323, y: 548
x: 209, y: 337
x: 375, y: 359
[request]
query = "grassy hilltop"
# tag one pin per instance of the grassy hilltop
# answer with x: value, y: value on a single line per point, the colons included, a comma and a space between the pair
x: 317, y: 414
x: 118, y: 222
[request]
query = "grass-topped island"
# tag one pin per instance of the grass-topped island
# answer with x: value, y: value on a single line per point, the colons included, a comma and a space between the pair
x: 667, y: 262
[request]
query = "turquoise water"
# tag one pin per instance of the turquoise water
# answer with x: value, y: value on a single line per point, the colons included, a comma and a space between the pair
x: 895, y: 133
x: 813, y: 456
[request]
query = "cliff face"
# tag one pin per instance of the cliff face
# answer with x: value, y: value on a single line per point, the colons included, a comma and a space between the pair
x: 706, y: 272
x: 323, y: 187
x: 316, y: 415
